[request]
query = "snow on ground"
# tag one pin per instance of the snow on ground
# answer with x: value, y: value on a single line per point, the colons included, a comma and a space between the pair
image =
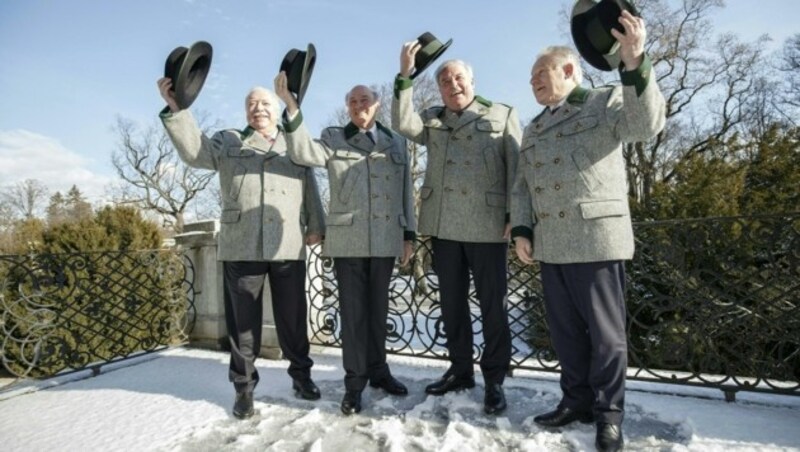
x: 180, y: 400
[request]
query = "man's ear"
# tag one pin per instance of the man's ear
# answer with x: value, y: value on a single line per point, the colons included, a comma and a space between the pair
x: 568, y: 70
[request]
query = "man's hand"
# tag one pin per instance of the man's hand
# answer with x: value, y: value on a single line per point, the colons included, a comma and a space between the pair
x: 165, y: 88
x: 408, y: 251
x: 282, y: 91
x: 407, y: 55
x: 524, y: 250
x: 631, y: 49
x: 313, y: 239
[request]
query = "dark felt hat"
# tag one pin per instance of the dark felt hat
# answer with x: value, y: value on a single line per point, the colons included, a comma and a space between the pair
x: 431, y: 49
x: 188, y: 69
x: 591, y: 25
x: 299, y: 66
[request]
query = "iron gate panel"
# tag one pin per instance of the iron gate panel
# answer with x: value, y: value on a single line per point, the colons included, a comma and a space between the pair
x: 711, y: 302
x: 71, y: 311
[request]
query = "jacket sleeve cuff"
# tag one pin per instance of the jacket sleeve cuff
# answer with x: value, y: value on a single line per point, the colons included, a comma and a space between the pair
x: 401, y: 83
x: 522, y: 231
x: 294, y: 124
x: 637, y: 77
x: 409, y: 235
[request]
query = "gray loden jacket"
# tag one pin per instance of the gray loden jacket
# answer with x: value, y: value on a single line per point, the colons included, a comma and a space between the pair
x: 570, y: 192
x: 269, y: 204
x: 371, y: 208
x: 471, y: 163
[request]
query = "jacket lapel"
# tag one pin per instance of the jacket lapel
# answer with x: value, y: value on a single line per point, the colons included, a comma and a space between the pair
x: 571, y: 107
x: 356, y: 139
x: 255, y: 140
x: 384, y: 138
x: 473, y: 112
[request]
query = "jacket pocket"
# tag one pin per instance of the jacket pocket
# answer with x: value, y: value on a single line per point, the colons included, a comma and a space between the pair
x: 339, y: 219
x: 490, y: 159
x: 425, y: 192
x: 496, y: 199
x: 350, y: 181
x: 578, y: 125
x: 605, y: 208
x: 586, y: 169
x: 230, y: 216
x: 485, y: 125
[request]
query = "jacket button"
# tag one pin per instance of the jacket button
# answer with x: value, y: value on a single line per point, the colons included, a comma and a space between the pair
x: 538, y: 189
x: 468, y: 163
x: 454, y: 138
x: 469, y: 137
x: 562, y: 214
x: 538, y: 164
x: 557, y: 160
x: 557, y: 186
x: 463, y: 191
x: 387, y: 217
x: 374, y: 176
x: 375, y: 217
x: 451, y: 162
x: 448, y: 189
x: 559, y: 135
x: 374, y: 195
x: 544, y: 215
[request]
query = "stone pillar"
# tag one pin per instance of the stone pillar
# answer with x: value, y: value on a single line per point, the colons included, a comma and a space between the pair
x: 199, y: 242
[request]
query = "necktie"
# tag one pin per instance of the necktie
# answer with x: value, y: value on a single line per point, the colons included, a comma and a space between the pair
x: 369, y: 135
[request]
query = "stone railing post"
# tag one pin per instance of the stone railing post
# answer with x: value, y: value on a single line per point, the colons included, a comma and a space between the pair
x: 199, y: 242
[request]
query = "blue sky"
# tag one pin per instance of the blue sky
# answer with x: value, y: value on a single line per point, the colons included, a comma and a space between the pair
x: 68, y: 68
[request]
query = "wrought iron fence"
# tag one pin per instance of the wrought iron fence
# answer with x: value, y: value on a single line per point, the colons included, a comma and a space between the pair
x: 66, y: 312
x: 711, y: 302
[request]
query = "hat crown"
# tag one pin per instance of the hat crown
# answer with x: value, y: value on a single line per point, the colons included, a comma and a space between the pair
x: 591, y: 25
x: 298, y: 66
x: 430, y: 49
x: 188, y: 69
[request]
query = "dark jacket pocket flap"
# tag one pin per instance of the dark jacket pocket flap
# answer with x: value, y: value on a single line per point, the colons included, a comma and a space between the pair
x: 495, y: 199
x: 339, y: 219
x: 230, y: 216
x: 425, y: 192
x: 489, y: 126
x: 600, y: 209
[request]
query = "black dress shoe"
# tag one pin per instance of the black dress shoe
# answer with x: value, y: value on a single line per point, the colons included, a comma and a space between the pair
x: 243, y: 406
x: 391, y: 385
x: 563, y: 416
x: 450, y: 383
x: 351, y: 403
x: 306, y: 389
x: 609, y: 437
x: 494, y: 401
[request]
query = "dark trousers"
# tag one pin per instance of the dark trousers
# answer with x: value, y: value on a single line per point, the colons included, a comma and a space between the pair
x: 453, y: 261
x: 585, y: 306
x: 364, y: 305
x: 244, y: 284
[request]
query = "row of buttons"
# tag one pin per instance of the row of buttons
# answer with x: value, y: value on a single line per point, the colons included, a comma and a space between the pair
x: 539, y: 164
x: 540, y: 189
x: 544, y: 215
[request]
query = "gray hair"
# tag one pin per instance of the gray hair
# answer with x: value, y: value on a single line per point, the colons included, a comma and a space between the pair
x: 375, y: 95
x: 274, y: 100
x: 441, y: 68
x: 564, y: 55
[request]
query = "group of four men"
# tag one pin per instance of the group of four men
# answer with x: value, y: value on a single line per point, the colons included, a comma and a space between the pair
x: 559, y: 192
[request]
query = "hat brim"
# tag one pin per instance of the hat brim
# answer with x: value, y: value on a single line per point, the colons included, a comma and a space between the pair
x: 308, y: 69
x: 192, y: 73
x: 432, y: 58
x: 590, y: 18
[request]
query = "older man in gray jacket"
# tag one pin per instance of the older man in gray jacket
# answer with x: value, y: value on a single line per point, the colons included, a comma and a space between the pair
x: 370, y: 223
x: 570, y: 198
x: 473, y: 147
x: 270, y: 211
